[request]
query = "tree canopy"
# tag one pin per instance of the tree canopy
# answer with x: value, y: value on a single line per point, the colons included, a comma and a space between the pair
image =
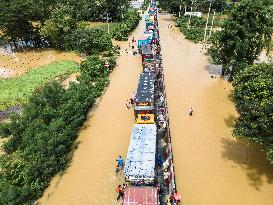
x: 14, y: 19
x: 243, y: 37
x: 173, y: 6
x: 62, y: 21
x: 56, y: 17
x: 254, y: 102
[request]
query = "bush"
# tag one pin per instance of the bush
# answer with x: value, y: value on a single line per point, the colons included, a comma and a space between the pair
x: 88, y: 41
x: 122, y: 30
x: 61, y: 22
x: 93, y: 69
x: 194, y: 34
x: 196, y: 30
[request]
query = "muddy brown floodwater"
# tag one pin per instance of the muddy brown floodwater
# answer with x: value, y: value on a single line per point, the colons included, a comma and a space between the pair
x: 212, y: 167
x: 90, y: 179
x: 12, y: 65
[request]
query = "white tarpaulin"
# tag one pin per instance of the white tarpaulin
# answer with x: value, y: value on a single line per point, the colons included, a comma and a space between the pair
x: 140, y: 161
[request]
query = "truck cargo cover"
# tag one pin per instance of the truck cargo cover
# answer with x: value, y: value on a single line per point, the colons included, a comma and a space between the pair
x: 145, y: 88
x: 140, y: 161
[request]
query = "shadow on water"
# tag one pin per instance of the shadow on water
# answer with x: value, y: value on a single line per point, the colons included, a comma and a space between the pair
x: 230, y: 120
x: 250, y: 158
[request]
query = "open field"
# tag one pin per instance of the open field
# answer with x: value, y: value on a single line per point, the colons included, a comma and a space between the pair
x: 101, y: 25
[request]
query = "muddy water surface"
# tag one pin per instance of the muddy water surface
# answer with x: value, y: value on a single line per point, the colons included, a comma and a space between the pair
x: 90, y: 178
x: 212, y: 168
x: 18, y: 63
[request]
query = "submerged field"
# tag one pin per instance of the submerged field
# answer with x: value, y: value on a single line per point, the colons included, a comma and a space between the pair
x: 16, y: 90
x: 17, y: 63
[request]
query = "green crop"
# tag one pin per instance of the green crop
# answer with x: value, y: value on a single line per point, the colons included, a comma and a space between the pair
x: 15, y: 91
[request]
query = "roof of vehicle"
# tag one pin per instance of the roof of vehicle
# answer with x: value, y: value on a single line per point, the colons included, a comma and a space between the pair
x: 140, y: 195
x: 146, y: 49
x: 145, y: 88
x: 140, y: 160
x: 143, y: 38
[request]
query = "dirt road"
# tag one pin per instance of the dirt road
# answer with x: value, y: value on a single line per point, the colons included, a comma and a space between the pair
x: 91, y: 178
x: 212, y: 168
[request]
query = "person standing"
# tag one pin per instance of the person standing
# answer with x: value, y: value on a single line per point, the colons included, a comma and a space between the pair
x: 159, y: 161
x: 133, y: 98
x: 190, y: 111
x: 120, y: 162
x: 124, y: 187
x: 177, y: 197
x: 128, y: 104
x: 120, y: 192
x: 166, y: 175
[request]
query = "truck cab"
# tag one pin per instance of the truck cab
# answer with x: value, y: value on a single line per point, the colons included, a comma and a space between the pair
x: 144, y: 107
x: 146, y: 52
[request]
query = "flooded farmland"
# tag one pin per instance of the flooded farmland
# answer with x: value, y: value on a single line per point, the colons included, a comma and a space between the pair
x: 15, y: 64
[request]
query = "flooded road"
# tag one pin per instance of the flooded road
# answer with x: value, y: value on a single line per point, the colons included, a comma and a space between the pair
x: 212, y: 167
x: 90, y: 178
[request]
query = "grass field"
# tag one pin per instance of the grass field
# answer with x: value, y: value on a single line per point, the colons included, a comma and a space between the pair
x: 101, y: 25
x: 15, y: 91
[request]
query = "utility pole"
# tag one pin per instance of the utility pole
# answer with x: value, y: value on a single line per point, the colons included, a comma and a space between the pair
x: 190, y: 13
x: 180, y: 8
x: 205, y: 35
x: 179, y: 14
x: 107, y: 19
x: 212, y: 24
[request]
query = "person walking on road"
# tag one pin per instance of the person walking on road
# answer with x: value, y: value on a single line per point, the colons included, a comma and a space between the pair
x: 128, y: 104
x: 120, y: 192
x: 120, y: 162
x: 133, y: 98
x: 190, y: 111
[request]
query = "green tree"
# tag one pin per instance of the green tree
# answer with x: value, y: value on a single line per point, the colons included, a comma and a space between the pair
x: 243, y: 37
x: 131, y: 20
x: 88, y: 41
x: 62, y: 22
x: 15, y: 19
x: 41, y: 9
x: 92, y: 69
x: 253, y: 93
x: 116, y: 8
x: 173, y: 6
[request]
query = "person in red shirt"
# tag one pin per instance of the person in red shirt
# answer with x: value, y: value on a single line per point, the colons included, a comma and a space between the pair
x: 120, y: 192
x: 177, y: 197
